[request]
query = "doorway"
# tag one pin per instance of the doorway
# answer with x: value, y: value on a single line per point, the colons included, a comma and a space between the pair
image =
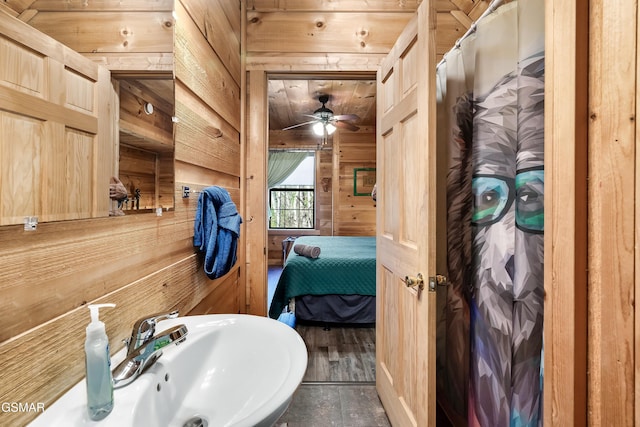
x: 341, y: 363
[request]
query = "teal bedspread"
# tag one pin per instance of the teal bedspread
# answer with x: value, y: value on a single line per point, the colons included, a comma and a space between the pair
x: 346, y: 266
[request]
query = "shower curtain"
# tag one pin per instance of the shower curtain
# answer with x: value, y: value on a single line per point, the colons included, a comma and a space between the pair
x: 491, y: 104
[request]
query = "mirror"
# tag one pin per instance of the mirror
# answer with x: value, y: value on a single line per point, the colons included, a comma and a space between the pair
x: 146, y: 146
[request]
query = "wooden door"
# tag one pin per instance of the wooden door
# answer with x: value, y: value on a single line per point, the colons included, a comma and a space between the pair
x: 406, y: 222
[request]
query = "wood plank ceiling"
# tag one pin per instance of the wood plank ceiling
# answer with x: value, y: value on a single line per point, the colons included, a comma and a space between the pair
x: 292, y: 100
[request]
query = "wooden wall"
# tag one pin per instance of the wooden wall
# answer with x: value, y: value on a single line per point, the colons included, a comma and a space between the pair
x: 613, y: 363
x: 592, y: 255
x: 325, y: 190
x: 143, y: 263
x: 353, y: 215
x: 328, y: 33
x: 123, y: 36
x: 207, y: 132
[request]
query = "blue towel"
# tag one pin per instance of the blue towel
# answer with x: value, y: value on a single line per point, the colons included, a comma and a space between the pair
x: 216, y: 230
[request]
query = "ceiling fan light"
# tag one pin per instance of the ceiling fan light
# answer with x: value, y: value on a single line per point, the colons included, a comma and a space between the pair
x: 318, y: 129
x: 330, y: 128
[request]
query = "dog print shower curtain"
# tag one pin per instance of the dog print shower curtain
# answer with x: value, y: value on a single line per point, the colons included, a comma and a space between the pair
x: 491, y: 116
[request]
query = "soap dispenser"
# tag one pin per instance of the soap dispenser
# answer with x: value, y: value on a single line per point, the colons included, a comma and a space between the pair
x: 98, y: 367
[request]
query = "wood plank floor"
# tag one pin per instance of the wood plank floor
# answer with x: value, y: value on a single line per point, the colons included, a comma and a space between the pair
x: 338, y: 388
x: 340, y: 354
x: 335, y: 405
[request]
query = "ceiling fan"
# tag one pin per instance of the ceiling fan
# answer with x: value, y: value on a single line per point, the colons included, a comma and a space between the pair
x: 325, y: 122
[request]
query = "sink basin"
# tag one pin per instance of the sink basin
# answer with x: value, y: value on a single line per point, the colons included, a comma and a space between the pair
x: 232, y: 370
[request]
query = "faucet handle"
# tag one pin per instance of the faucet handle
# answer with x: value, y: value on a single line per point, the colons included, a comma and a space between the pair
x: 153, y: 319
x: 144, y: 328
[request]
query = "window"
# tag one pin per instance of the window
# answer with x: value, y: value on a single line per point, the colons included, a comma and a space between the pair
x: 292, y: 202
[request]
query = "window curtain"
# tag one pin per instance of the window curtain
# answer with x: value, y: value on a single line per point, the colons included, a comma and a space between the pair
x: 282, y: 164
x: 491, y: 93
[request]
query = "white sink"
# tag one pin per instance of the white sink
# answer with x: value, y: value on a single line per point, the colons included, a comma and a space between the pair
x: 232, y: 370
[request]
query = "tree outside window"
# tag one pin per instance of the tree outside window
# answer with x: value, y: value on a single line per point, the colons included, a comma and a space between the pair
x: 292, y: 202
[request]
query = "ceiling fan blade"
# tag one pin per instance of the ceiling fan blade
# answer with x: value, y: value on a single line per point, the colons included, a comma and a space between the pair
x: 346, y: 117
x: 345, y: 125
x: 300, y: 124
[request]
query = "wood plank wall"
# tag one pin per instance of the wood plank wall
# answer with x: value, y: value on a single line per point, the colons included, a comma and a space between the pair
x: 330, y: 28
x: 592, y: 367
x: 612, y: 227
x: 143, y: 263
x: 132, y: 36
x: 353, y: 215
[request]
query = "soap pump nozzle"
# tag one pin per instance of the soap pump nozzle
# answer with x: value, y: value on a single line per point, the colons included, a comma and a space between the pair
x: 96, y: 324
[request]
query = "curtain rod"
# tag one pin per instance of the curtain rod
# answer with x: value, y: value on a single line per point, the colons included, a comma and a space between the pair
x: 492, y: 7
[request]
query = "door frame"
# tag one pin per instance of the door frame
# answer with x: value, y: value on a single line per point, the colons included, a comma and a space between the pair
x: 256, y: 154
x: 565, y: 237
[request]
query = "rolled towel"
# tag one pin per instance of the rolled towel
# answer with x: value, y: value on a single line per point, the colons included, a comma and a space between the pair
x: 307, y: 250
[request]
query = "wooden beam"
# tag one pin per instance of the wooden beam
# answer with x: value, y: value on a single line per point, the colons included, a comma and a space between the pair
x: 351, y: 32
x: 611, y: 226
x: 388, y: 6
x: 565, y: 238
x: 256, y: 164
x: 298, y: 62
x: 134, y: 65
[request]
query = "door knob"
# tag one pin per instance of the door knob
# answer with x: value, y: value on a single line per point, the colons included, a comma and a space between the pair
x: 414, y: 281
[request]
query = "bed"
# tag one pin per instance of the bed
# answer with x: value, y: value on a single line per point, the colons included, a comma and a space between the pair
x: 337, y: 287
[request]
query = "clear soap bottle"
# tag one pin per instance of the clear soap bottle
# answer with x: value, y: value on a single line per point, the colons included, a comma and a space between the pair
x: 98, y: 367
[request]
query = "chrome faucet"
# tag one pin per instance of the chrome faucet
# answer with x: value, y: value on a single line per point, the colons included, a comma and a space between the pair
x: 144, y: 348
x: 144, y: 328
